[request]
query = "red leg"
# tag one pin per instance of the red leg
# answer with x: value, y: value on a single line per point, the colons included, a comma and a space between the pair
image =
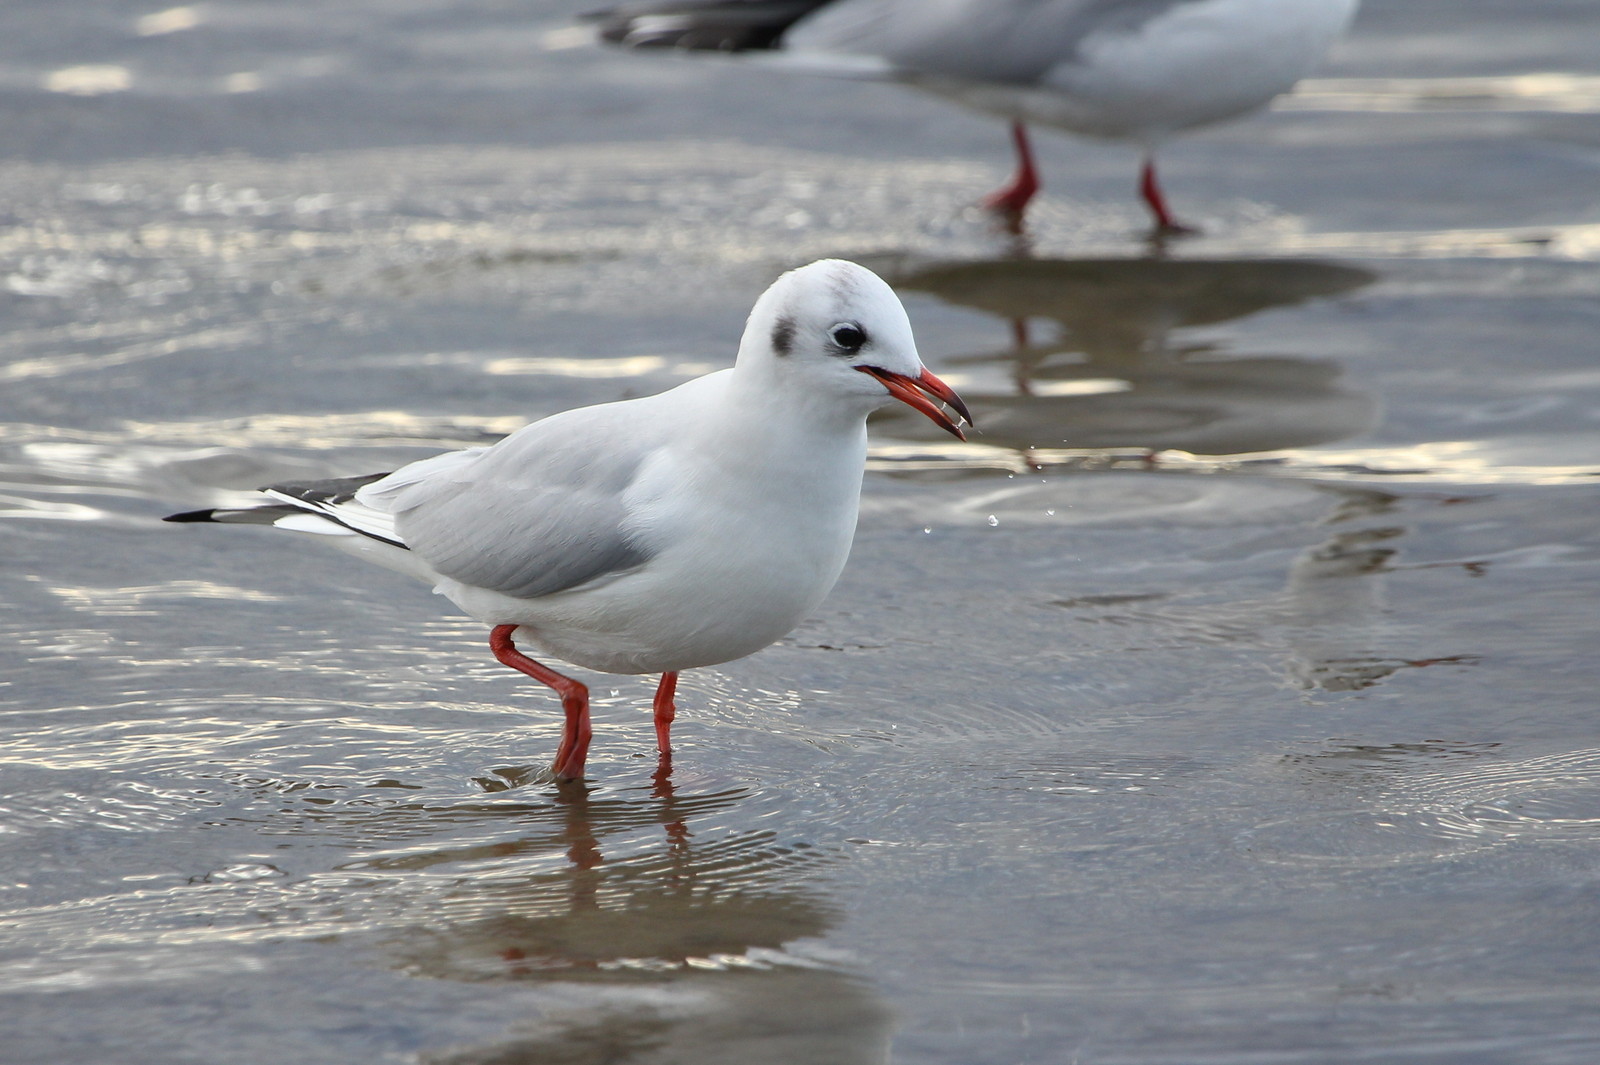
x: 1020, y: 338
x: 1150, y: 190
x: 574, y: 749
x: 665, y: 711
x: 1011, y: 201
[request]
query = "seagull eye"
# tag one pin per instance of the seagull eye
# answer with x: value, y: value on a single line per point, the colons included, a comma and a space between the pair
x: 848, y: 337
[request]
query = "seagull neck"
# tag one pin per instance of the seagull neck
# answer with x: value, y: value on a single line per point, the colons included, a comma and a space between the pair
x: 766, y: 414
x: 764, y: 394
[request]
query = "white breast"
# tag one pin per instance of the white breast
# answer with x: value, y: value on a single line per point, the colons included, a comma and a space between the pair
x: 750, y: 541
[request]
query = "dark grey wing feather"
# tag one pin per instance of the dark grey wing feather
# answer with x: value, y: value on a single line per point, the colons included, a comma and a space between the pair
x: 702, y: 25
x: 332, y: 499
x: 330, y: 490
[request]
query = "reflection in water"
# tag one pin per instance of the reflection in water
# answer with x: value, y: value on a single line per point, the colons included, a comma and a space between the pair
x: 636, y: 925
x: 1334, y: 615
x: 1336, y: 621
x: 1112, y: 376
x: 680, y: 949
x: 1329, y: 624
x: 792, y: 1017
x: 1336, y: 612
x: 1339, y: 627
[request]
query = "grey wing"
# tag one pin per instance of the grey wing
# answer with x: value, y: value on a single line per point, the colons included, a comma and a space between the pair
x: 701, y: 25
x: 1007, y: 41
x: 540, y: 512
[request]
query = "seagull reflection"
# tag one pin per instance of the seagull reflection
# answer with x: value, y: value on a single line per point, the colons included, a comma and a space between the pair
x: 1340, y: 630
x: 1330, y: 623
x: 648, y: 931
x: 1113, y: 377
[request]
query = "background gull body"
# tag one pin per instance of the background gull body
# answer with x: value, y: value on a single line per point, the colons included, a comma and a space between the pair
x: 652, y: 535
x: 1130, y: 70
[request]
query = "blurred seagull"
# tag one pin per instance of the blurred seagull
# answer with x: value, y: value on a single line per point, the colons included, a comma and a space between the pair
x: 1132, y: 70
x: 658, y: 534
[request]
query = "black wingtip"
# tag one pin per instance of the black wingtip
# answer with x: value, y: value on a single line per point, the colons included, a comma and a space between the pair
x: 193, y: 515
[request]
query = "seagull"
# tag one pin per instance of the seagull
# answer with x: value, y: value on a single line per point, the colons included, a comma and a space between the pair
x: 1129, y: 70
x: 658, y: 534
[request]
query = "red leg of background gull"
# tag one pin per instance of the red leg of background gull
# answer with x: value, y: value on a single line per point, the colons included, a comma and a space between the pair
x: 1011, y: 201
x: 1150, y: 190
x: 665, y: 711
x: 574, y: 749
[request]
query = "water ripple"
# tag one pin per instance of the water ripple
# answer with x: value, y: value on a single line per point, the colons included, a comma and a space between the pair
x: 646, y: 878
x: 1475, y: 800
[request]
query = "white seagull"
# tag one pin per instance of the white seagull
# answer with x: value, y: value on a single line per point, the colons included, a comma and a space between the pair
x: 651, y: 535
x: 1131, y: 70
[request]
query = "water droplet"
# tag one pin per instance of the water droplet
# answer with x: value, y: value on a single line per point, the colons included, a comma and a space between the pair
x: 993, y: 521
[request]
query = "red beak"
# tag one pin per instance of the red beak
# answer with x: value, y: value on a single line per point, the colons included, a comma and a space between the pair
x: 910, y: 390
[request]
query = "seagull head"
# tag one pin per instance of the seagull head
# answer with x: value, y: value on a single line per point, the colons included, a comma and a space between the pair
x: 837, y: 330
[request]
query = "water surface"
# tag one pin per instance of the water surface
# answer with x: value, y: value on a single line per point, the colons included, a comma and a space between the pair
x: 1229, y: 698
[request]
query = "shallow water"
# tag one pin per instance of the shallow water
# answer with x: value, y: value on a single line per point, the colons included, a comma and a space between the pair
x: 1230, y: 697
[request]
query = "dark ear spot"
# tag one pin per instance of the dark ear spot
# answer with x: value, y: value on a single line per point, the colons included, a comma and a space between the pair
x: 783, y: 336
